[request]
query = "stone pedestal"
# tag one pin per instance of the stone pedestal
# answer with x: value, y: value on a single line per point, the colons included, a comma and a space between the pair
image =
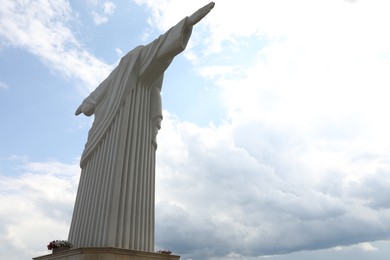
x: 105, y: 253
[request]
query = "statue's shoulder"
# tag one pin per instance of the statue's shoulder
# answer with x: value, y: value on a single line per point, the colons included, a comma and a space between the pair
x: 133, y: 53
x: 136, y: 50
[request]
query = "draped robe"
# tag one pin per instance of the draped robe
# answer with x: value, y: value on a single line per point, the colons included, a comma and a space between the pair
x: 115, y: 198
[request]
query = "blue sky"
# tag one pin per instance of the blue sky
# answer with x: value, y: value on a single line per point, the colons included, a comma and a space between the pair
x: 274, y: 142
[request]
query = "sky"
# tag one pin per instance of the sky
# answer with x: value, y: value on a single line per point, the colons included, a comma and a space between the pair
x: 275, y: 139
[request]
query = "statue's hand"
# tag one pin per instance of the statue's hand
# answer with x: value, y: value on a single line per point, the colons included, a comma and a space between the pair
x: 202, y: 12
x: 78, y: 111
x: 86, y: 108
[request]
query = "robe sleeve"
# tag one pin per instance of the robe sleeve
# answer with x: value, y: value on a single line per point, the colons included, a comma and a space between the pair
x: 157, y: 55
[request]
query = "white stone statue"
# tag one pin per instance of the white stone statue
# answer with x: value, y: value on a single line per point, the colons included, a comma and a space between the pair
x: 115, y: 199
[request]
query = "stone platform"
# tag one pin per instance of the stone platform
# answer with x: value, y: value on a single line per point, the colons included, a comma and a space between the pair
x: 105, y: 253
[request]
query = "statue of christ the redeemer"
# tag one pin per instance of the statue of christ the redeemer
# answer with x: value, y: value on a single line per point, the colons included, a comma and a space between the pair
x: 115, y: 199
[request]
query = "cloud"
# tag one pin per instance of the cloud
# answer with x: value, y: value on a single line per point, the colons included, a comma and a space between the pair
x: 263, y: 201
x: 102, y: 11
x: 366, y: 247
x: 119, y: 52
x: 36, y: 206
x: 42, y: 28
x: 3, y: 85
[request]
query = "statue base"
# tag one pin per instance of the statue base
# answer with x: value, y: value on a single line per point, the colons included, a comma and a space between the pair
x: 105, y: 253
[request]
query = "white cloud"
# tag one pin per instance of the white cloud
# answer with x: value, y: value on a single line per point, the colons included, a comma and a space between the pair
x: 102, y: 11
x: 3, y: 85
x: 98, y: 18
x: 119, y: 52
x: 367, y: 247
x: 36, y: 207
x: 213, y: 72
x: 41, y: 27
x: 109, y: 8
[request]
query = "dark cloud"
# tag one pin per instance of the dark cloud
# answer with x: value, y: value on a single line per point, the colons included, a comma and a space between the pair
x: 374, y: 190
x: 227, y: 195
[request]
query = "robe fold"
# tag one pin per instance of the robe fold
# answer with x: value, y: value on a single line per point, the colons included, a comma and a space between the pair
x: 115, y: 198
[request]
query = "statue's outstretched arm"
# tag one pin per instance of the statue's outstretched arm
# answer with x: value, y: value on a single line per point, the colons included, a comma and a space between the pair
x: 158, y: 54
x: 89, y: 104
